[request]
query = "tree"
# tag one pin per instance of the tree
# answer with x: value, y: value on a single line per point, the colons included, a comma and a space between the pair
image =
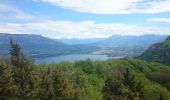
x: 112, y: 90
x: 122, y: 86
x: 23, y: 73
x: 133, y: 90
x: 47, y: 86
x: 8, y: 87
x: 113, y: 85
x: 16, y: 54
x: 63, y: 86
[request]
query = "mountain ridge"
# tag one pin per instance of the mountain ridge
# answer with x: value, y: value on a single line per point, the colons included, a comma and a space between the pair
x: 158, y: 52
x: 129, y: 45
x: 38, y: 46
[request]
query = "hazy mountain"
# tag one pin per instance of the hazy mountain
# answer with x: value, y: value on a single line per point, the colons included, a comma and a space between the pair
x: 82, y: 41
x: 31, y: 44
x: 127, y: 45
x: 159, y: 52
x: 38, y: 46
x: 127, y: 41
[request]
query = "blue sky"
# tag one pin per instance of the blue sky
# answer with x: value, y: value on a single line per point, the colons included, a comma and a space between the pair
x: 85, y: 18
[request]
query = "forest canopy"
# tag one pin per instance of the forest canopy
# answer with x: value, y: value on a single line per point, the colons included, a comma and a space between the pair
x: 123, y: 79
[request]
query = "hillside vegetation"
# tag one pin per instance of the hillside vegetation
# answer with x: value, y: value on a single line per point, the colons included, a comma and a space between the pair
x: 159, y: 52
x: 124, y: 79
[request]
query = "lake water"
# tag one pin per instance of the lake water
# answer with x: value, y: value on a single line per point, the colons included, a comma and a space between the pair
x: 71, y: 58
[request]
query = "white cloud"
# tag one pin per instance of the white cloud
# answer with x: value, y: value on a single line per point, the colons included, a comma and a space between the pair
x: 11, y: 28
x: 113, y: 6
x: 10, y: 12
x: 164, y: 20
x: 158, y: 6
x: 84, y: 29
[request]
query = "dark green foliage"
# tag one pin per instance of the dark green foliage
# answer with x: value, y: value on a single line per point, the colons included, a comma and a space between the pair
x: 47, y: 86
x: 159, y: 52
x: 113, y: 85
x: 112, y: 90
x: 23, y: 73
x: 122, y: 86
x: 87, y: 66
x: 8, y: 88
x: 62, y: 86
x: 134, y: 89
x: 162, y: 78
x: 161, y: 97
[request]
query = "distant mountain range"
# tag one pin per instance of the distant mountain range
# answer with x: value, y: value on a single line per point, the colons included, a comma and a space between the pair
x: 131, y: 41
x: 37, y: 46
x: 81, y: 41
x: 128, y: 45
x: 159, y: 52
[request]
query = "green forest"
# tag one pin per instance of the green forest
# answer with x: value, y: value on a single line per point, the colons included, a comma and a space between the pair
x: 121, y: 79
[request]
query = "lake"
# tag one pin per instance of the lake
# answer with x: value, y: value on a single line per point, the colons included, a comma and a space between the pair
x: 71, y: 58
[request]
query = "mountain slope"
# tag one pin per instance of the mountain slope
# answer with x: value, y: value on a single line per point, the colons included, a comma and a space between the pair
x: 128, y: 45
x: 159, y: 52
x: 81, y: 41
x: 131, y: 41
x: 33, y: 45
x: 37, y: 46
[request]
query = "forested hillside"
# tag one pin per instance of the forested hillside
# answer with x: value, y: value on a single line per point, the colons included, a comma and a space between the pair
x: 124, y: 79
x: 159, y: 52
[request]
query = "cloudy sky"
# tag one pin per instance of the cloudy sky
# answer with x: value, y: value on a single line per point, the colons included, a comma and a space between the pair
x: 85, y: 18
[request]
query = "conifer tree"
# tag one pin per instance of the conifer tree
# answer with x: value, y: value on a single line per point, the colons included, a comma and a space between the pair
x: 23, y: 74
x: 125, y: 89
x: 133, y: 90
x: 62, y: 86
x: 112, y: 90
x: 113, y: 85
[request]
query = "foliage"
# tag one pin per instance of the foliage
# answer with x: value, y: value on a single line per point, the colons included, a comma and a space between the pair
x: 122, y: 86
x: 8, y: 88
x: 47, y: 87
x: 159, y: 52
x: 123, y: 79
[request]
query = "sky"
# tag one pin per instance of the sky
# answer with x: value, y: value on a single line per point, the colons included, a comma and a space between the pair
x: 85, y: 18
